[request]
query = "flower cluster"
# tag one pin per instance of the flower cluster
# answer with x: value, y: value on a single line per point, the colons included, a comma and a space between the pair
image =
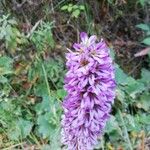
x: 90, y: 86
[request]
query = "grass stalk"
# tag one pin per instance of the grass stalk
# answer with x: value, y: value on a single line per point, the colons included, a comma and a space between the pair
x: 127, y: 139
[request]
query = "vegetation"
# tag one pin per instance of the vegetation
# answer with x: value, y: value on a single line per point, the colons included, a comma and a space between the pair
x: 34, y: 37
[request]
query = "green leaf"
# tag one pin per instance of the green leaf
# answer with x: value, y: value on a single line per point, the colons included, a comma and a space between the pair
x: 131, y: 81
x: 61, y: 93
x: 75, y: 7
x: 145, y: 101
x: 12, y: 21
x: 144, y: 27
x: 46, y: 125
x: 70, y: 8
x: 120, y: 95
x: 43, y: 37
x: 5, y: 65
x: 44, y: 106
x: 145, y: 76
x: 76, y: 13
x: 120, y: 76
x: 20, y: 130
x: 142, y: 2
x: 143, y: 119
x: 70, y: 5
x: 130, y: 123
x: 146, y: 41
x: 25, y: 127
x: 55, y: 142
x: 111, y: 125
x: 3, y: 79
x: 46, y: 147
x: 134, y: 88
x: 41, y: 89
x: 82, y: 7
x: 65, y: 7
x: 112, y: 129
x: 112, y: 53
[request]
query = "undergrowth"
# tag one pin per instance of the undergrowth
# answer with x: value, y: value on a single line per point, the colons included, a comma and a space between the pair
x: 32, y: 70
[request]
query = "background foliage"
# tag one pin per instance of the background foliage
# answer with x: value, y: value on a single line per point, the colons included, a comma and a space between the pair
x: 34, y: 36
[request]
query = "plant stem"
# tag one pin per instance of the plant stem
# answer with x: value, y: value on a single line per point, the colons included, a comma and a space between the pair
x: 13, y: 146
x: 125, y: 131
x: 33, y: 137
x: 47, y: 85
x: 102, y: 142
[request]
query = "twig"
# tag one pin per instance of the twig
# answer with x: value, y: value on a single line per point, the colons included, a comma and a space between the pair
x: 33, y: 137
x: 59, y: 3
x: 125, y: 131
x: 142, y: 52
x: 34, y: 27
x: 52, y: 7
x: 18, y: 5
x: 142, y: 142
x: 135, y: 68
x: 13, y: 146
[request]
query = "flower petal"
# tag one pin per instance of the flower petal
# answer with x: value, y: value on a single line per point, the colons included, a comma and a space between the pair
x: 92, y: 39
x: 84, y: 37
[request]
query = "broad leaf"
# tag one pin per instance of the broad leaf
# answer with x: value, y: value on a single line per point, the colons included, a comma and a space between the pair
x: 146, y: 41
x: 5, y: 65
x: 144, y: 27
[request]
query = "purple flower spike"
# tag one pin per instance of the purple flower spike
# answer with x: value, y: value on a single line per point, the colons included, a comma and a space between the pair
x: 90, y: 85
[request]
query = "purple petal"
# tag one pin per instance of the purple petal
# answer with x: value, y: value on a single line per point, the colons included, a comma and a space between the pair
x: 92, y: 39
x: 76, y: 46
x: 91, y: 91
x: 84, y: 37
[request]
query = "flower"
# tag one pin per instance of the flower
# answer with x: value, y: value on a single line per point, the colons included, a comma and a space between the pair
x: 90, y: 85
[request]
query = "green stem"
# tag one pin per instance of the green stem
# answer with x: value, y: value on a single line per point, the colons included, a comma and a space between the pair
x: 102, y: 142
x: 13, y: 146
x: 47, y: 85
x: 127, y: 139
x: 33, y: 137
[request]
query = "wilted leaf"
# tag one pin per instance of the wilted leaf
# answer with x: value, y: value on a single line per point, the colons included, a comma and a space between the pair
x: 143, y: 52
